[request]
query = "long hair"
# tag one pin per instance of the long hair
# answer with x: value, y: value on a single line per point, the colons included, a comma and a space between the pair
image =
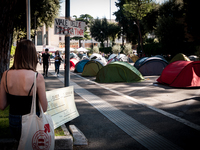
x: 25, y: 56
x: 57, y: 53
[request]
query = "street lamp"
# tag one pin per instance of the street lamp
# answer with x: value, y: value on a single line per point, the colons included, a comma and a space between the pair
x: 28, y: 19
x: 139, y: 36
x: 102, y: 37
x: 122, y: 31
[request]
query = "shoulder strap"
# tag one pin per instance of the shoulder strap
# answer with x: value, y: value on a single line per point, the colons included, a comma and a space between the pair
x: 32, y: 86
x: 6, y: 82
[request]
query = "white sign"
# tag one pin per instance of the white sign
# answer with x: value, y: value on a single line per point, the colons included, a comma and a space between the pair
x: 69, y: 27
x: 61, y: 105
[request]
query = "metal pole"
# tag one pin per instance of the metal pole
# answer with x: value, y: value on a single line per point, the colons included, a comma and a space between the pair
x: 110, y: 10
x: 28, y: 19
x: 67, y: 46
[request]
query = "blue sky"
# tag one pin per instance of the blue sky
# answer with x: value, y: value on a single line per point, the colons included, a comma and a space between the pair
x: 95, y: 8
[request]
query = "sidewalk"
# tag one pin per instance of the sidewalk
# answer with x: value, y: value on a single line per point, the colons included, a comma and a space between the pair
x: 126, y: 116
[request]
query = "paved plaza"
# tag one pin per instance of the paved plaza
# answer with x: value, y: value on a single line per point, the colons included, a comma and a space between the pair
x: 125, y: 116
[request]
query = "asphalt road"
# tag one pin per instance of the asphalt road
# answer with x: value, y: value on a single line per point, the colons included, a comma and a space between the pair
x: 141, y: 115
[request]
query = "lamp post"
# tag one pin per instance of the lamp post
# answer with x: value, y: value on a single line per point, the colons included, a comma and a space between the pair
x: 67, y: 46
x: 122, y: 34
x: 139, y: 35
x: 28, y: 24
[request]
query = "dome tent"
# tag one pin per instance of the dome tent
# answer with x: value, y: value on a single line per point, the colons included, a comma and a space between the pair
x: 193, y: 58
x: 118, y: 72
x: 122, y: 57
x: 96, y: 56
x: 92, y: 67
x: 181, y: 74
x: 152, y: 66
x: 139, y: 62
x: 73, y: 62
x: 112, y: 56
x: 80, y: 65
x: 112, y: 60
x: 179, y: 56
x: 134, y: 58
x: 73, y: 55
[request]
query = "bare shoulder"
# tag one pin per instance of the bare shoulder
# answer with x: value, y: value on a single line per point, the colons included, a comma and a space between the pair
x: 4, y: 73
x: 40, y: 78
x: 3, y: 76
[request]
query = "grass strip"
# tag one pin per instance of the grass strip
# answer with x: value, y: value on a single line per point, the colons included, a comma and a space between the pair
x: 4, y: 125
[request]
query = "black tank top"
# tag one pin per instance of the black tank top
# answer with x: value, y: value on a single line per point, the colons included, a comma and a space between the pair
x: 20, y: 105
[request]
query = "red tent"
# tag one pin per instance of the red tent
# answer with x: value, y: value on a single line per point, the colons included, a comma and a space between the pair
x: 181, y: 74
x: 73, y: 63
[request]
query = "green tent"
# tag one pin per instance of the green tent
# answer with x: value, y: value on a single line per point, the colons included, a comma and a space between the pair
x: 118, y: 72
x: 92, y: 67
x: 179, y: 56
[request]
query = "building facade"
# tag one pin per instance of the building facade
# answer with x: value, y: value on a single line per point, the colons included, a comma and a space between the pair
x: 45, y: 38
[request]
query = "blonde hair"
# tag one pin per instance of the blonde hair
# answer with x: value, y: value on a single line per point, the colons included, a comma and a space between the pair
x: 25, y: 56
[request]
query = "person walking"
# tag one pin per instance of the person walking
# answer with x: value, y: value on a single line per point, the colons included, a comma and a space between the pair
x: 57, y: 62
x: 46, y: 62
x: 39, y: 57
x: 16, y: 87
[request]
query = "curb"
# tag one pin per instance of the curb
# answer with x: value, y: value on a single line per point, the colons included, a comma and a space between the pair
x: 61, y: 142
x: 8, y: 144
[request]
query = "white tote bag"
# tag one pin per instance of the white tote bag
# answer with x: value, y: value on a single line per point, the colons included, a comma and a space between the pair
x: 37, y: 132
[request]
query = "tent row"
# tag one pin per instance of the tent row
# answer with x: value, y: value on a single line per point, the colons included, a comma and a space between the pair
x: 177, y: 73
x: 116, y: 71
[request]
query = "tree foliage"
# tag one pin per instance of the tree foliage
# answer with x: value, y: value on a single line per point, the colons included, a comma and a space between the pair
x: 95, y: 49
x: 138, y: 8
x: 13, y: 15
x: 169, y: 30
x: 99, y: 30
x: 128, y: 49
x: 43, y: 11
x: 128, y: 30
x: 87, y: 19
x: 113, y: 31
x: 116, y: 49
x: 191, y: 12
x: 172, y: 23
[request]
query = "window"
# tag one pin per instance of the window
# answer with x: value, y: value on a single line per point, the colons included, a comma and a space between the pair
x: 39, y: 38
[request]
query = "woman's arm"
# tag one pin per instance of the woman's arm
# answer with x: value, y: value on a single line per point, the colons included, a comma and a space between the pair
x: 42, y: 92
x: 3, y: 97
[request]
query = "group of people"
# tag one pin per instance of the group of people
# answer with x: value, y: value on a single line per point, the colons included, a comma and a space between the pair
x: 45, y: 60
x: 16, y: 84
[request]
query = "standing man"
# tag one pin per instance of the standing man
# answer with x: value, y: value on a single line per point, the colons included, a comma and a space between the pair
x: 46, y: 62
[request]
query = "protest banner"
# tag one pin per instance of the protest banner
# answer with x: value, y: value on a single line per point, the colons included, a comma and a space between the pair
x: 69, y: 27
x: 61, y: 105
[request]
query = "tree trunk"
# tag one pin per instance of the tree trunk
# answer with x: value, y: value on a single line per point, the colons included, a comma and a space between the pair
x: 141, y: 40
x: 7, y: 14
x: 79, y: 43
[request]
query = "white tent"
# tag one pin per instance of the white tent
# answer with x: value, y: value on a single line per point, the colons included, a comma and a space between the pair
x: 98, y: 57
x: 122, y: 57
x: 73, y: 55
x: 112, y: 56
x: 193, y: 58
x: 71, y: 49
x: 81, y: 49
x: 63, y: 49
